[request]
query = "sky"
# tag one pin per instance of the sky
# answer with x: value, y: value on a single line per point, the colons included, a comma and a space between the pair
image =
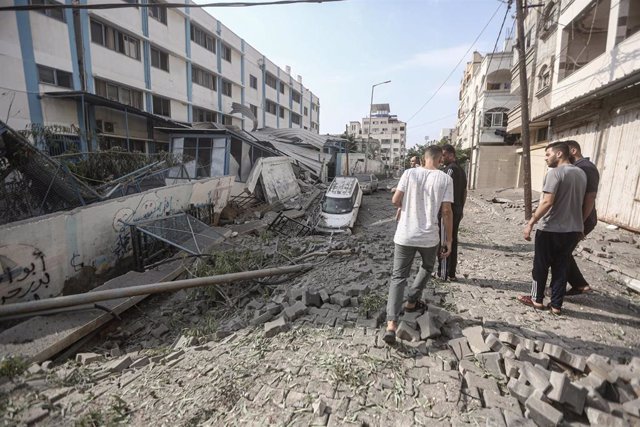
x: 341, y: 49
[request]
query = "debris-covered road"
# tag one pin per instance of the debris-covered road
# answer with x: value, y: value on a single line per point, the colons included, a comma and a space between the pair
x: 307, y: 351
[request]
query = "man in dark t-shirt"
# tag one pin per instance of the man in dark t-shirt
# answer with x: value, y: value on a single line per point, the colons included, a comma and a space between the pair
x: 447, y: 266
x: 575, y: 279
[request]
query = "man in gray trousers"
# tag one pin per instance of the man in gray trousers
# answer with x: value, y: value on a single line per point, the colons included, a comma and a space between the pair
x: 421, y: 193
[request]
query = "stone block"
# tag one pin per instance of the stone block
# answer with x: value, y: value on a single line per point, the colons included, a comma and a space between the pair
x: 324, y: 295
x: 354, y: 302
x: 519, y: 389
x: 543, y: 414
x: 319, y: 407
x: 294, y: 295
x: 159, y: 331
x: 495, y: 400
x: 493, y: 342
x: 509, y: 338
x: 428, y: 326
x: 407, y: 333
x: 262, y: 318
x: 632, y: 407
x: 118, y: 365
x: 485, y: 384
x: 86, y: 358
x: 295, y: 311
x: 312, y: 299
x: 599, y: 418
x: 476, y: 340
x: 173, y: 356
x: 357, y: 290
x: 540, y: 359
x: 537, y: 377
x: 460, y: 347
x: 596, y: 401
x: 143, y: 361
x: 466, y: 365
x: 275, y: 327
x: 514, y: 420
x: 33, y: 415
x: 254, y: 304
x: 492, y: 362
x: 512, y: 367
x: 563, y: 391
x: 561, y: 355
x: 47, y: 365
x: 624, y: 391
x: 599, y: 365
x: 594, y: 381
x: 273, y: 308
x: 442, y: 316
x: 341, y: 300
x: 624, y: 372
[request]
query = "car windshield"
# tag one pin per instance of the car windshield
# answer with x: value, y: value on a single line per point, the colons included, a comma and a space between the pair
x: 332, y: 205
x: 364, y: 178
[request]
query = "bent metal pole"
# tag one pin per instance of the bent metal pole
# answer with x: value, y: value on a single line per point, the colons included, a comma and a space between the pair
x: 152, y: 288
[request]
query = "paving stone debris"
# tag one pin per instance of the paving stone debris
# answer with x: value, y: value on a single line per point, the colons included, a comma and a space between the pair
x: 308, y: 350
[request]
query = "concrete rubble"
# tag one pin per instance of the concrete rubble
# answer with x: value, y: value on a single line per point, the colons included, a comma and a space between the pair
x: 308, y: 351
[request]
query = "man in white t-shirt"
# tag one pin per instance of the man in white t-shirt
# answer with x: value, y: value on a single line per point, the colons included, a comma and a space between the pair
x: 421, y: 193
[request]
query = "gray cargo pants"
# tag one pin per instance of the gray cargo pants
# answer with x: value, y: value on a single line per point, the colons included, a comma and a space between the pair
x: 402, y: 260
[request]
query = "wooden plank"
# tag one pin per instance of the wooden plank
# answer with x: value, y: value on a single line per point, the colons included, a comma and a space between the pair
x: 40, y: 338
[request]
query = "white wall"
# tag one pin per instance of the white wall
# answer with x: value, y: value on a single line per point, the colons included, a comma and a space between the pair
x: 46, y: 251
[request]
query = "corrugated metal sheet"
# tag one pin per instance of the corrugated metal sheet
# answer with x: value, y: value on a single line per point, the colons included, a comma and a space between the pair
x: 293, y: 136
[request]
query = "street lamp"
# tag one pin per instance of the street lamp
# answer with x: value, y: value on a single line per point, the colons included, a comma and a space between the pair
x: 369, y: 130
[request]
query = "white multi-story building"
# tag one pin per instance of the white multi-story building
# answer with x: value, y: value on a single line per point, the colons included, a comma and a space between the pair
x: 485, y: 100
x: 385, y: 128
x: 124, y: 73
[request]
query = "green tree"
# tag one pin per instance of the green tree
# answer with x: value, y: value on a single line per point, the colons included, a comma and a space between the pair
x: 462, y: 155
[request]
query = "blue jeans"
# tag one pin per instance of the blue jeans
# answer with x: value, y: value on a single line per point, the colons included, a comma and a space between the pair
x: 402, y: 260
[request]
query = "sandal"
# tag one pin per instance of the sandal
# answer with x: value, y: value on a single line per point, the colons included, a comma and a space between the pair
x: 420, y: 306
x: 555, y: 311
x: 389, y: 337
x: 527, y: 300
x: 578, y: 291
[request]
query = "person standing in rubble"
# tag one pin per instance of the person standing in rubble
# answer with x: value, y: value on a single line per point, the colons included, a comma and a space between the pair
x: 560, y: 228
x: 422, y: 192
x: 414, y: 162
x: 447, y: 266
x: 577, y: 283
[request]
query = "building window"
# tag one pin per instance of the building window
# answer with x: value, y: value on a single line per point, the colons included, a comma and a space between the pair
x: 227, y: 88
x: 542, y: 134
x: 227, y: 120
x: 157, y: 12
x: 493, y: 86
x: 306, y: 111
x: 226, y: 53
x: 203, y: 78
x: 271, y: 80
x: 159, y: 59
x: 544, y: 78
x: 202, y: 115
x: 295, y: 118
x: 271, y: 107
x: 122, y: 94
x: 496, y: 117
x: 161, y: 106
x: 549, y: 19
x: 629, y: 22
x: 282, y: 87
x: 55, y: 77
x: 282, y: 112
x: 584, y: 38
x: 53, y: 13
x: 295, y: 95
x: 115, y: 40
x: 254, y: 110
x: 204, y: 39
x: 253, y: 81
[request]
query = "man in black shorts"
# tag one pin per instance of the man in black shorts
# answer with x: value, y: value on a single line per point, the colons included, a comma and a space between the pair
x: 575, y: 279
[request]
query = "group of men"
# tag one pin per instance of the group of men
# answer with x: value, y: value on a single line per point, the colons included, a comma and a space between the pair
x: 430, y: 204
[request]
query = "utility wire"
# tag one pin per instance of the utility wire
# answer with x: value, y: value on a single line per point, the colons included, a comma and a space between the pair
x: 464, y: 56
x: 51, y: 6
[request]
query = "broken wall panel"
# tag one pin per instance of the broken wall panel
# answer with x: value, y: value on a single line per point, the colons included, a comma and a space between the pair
x: 38, y: 255
x: 275, y: 174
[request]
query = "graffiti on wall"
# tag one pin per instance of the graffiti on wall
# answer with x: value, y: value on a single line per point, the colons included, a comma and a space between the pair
x: 24, y: 274
x: 150, y: 206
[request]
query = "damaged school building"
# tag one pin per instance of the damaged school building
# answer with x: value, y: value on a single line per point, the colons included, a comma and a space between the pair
x: 583, y: 74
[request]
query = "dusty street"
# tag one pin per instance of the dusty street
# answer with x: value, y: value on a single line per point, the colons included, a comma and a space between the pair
x: 183, y: 359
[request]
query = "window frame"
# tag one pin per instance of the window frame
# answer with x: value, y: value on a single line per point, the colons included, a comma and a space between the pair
x: 114, y: 39
x: 204, y: 112
x: 162, y: 101
x: 271, y: 78
x: 226, y: 52
x: 253, y: 81
x: 199, y: 76
x: 227, y: 88
x: 153, y: 5
x: 267, y: 107
x: 135, y: 95
x: 160, y: 53
x: 198, y: 32
x: 490, y: 116
x: 51, y: 13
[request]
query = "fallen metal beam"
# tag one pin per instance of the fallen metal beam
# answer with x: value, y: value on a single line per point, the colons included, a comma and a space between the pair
x: 152, y: 288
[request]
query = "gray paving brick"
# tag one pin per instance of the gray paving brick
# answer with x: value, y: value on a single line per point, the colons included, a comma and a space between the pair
x: 563, y: 391
x: 519, y: 389
x: 428, y: 326
x: 275, y: 327
x: 476, y: 340
x: 460, y: 347
x: 524, y: 355
x: 485, y: 384
x: 543, y: 414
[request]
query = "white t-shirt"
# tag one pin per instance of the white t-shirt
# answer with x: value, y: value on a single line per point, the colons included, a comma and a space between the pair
x: 424, y: 191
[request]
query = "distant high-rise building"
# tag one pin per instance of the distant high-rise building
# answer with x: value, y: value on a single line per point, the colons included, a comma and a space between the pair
x: 385, y: 128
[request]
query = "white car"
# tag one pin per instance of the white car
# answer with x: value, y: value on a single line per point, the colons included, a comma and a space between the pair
x: 340, y: 205
x: 368, y: 183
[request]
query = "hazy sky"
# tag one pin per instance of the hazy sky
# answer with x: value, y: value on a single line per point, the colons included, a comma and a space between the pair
x: 342, y: 48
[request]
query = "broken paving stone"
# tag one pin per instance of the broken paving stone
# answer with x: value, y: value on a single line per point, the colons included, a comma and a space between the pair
x: 118, y: 365
x: 492, y: 363
x: 86, y: 358
x: 441, y: 315
x: 512, y: 367
x: 632, y: 407
x: 34, y: 415
x: 476, y: 381
x: 460, y: 347
x: 536, y: 376
x: 407, y: 333
x: 519, y: 390
x: 357, y: 290
x: 509, y: 338
x: 173, y: 356
x: 34, y: 369
x: 275, y: 327
x: 47, y: 365
x: 319, y: 407
x: 493, y: 342
x: 312, y: 299
x: 428, y: 326
x: 563, y: 391
x: 273, y: 308
x: 599, y: 418
x: 341, y: 300
x: 324, y: 295
x: 476, y: 340
x: 295, y: 311
x: 540, y: 359
x: 144, y: 361
x: 600, y: 365
x: 542, y: 413
x: 512, y: 419
x: 495, y: 400
x: 160, y: 331
x: 254, y: 304
x: 410, y: 319
x: 263, y: 318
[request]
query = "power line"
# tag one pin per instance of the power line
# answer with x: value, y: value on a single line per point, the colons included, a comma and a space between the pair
x: 464, y: 56
x: 50, y: 6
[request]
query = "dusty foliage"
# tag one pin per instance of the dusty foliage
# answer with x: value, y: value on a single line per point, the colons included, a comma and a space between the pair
x: 12, y: 367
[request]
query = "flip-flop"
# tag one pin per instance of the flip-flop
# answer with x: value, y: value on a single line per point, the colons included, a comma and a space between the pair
x: 578, y: 291
x: 389, y: 337
x: 528, y: 301
x: 553, y: 310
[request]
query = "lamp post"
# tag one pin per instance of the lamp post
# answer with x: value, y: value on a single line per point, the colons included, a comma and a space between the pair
x: 369, y: 129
